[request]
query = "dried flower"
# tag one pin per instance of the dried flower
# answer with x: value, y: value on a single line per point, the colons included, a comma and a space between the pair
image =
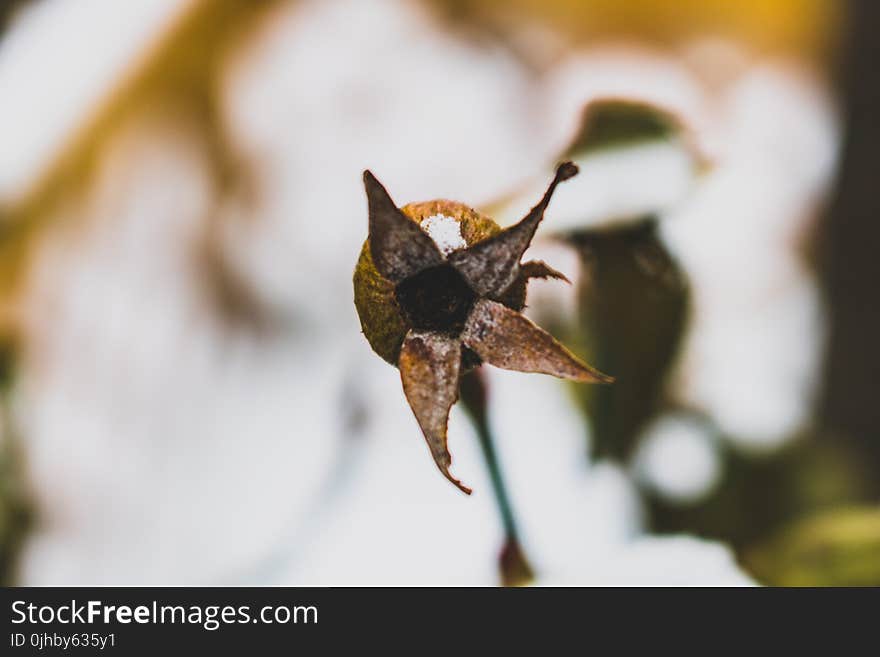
x: 438, y: 288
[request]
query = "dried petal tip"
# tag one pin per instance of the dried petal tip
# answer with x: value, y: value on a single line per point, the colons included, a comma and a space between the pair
x: 429, y: 370
x: 540, y: 269
x: 566, y: 170
x: 464, y: 489
x: 398, y: 246
x: 491, y: 266
x: 504, y: 338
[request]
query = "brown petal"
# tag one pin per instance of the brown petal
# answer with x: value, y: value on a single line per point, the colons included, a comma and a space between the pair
x: 398, y: 246
x: 492, y: 265
x: 504, y: 338
x: 429, y: 369
x: 540, y: 269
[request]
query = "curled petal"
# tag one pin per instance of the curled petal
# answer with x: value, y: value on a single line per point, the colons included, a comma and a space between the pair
x: 398, y: 246
x: 504, y: 338
x: 429, y: 369
x: 540, y: 269
x: 492, y: 265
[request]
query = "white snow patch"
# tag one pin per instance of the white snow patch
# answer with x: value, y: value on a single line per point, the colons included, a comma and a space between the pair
x: 445, y: 231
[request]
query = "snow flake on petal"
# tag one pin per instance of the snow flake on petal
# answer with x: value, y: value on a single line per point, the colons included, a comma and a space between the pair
x: 445, y: 231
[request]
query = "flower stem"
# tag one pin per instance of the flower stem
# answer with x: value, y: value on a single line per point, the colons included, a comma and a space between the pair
x: 513, y: 564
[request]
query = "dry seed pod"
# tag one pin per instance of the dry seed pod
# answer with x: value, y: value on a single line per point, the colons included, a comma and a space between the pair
x: 438, y: 288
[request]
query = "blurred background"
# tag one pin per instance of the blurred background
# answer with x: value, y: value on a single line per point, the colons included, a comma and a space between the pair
x: 186, y: 395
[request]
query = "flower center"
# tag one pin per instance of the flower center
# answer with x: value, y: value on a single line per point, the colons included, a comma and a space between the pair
x: 437, y: 299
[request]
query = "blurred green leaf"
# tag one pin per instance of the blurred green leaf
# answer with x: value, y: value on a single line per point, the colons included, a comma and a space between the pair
x: 762, y: 492
x: 632, y: 308
x: 16, y: 510
x: 616, y: 122
x: 834, y: 548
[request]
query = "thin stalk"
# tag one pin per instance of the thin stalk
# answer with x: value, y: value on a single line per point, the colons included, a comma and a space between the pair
x: 513, y: 564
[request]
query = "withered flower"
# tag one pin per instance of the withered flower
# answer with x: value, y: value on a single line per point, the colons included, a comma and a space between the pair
x: 438, y: 288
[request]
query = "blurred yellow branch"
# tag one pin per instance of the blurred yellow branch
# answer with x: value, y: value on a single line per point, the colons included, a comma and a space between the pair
x: 806, y: 28
x: 183, y: 66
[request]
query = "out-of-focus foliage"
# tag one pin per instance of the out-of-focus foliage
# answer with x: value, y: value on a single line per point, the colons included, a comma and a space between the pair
x: 802, y: 26
x: 632, y: 314
x: 632, y: 307
x: 840, y: 547
x: 16, y: 513
x: 8, y: 8
x: 633, y: 296
x: 182, y: 75
x: 760, y: 493
x: 619, y: 122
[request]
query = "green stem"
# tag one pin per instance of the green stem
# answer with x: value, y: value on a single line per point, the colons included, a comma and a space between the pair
x: 514, y: 566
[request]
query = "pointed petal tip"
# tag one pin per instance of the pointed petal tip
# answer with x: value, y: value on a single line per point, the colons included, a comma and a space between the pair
x: 583, y: 373
x: 588, y: 374
x: 370, y: 180
x: 444, y: 462
x: 595, y: 376
x: 464, y: 489
x: 507, y: 339
x: 491, y: 265
x: 398, y: 246
x: 540, y: 269
x: 567, y: 170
